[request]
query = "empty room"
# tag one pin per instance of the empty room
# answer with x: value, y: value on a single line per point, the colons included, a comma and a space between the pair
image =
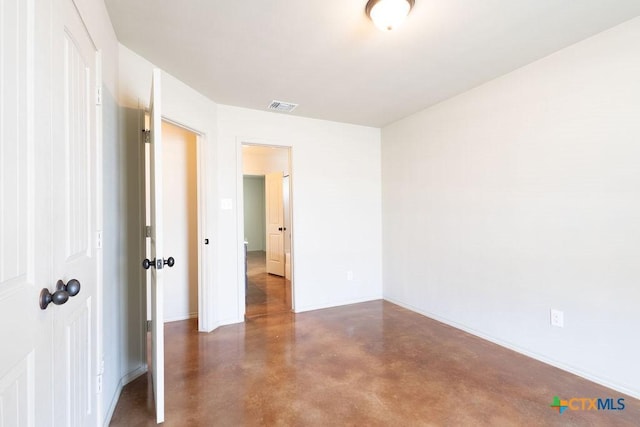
x: 292, y: 213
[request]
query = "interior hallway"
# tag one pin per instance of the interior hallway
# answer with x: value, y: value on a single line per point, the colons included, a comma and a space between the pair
x: 373, y: 364
x: 266, y: 293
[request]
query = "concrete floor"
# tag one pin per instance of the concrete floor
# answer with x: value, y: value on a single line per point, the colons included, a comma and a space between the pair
x: 266, y: 293
x: 369, y: 364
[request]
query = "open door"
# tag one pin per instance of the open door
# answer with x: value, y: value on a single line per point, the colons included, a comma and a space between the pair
x: 275, y: 223
x: 156, y: 261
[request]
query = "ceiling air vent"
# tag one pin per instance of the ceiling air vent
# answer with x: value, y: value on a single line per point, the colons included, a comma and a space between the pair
x: 283, y: 107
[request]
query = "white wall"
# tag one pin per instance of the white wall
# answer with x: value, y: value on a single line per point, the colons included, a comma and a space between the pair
x: 260, y: 160
x: 254, y: 212
x: 336, y: 205
x: 523, y: 195
x: 336, y: 195
x: 180, y: 216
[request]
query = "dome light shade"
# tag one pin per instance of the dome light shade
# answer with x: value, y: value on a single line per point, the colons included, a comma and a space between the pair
x: 388, y: 14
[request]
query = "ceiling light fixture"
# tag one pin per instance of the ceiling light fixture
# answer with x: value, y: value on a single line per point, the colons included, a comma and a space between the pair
x: 388, y: 14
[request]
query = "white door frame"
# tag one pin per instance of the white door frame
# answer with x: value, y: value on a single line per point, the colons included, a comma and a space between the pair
x: 203, y: 270
x: 240, y: 216
x: 99, y: 294
x: 201, y: 195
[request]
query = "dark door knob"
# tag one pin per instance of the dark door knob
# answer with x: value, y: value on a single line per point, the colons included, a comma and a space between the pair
x: 61, y: 295
x: 279, y: 228
x: 73, y: 287
x: 146, y: 264
x: 58, y: 298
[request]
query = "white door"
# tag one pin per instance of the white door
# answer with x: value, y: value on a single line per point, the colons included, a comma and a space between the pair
x: 275, y: 223
x: 26, y: 380
x: 48, y: 217
x: 156, y: 255
x: 74, y: 204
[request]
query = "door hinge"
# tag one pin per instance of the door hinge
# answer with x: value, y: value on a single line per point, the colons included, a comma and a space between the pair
x: 147, y: 231
x: 99, y: 239
x: 146, y: 136
x: 148, y: 325
x: 99, y: 384
x: 99, y: 95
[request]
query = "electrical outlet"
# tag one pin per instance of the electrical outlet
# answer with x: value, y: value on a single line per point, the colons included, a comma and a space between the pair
x: 557, y: 318
x: 349, y: 275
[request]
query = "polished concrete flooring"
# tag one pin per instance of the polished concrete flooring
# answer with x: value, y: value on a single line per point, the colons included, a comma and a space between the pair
x: 369, y: 364
x: 266, y: 293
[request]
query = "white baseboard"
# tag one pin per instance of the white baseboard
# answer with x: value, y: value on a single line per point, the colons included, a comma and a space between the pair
x: 336, y: 304
x: 116, y: 396
x: 576, y: 371
x: 226, y: 322
x: 234, y: 321
x: 183, y: 317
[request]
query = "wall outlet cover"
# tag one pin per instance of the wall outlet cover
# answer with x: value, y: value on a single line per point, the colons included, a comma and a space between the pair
x: 557, y: 318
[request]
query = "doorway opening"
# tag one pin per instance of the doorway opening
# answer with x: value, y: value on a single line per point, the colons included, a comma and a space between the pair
x: 267, y: 226
x: 180, y: 211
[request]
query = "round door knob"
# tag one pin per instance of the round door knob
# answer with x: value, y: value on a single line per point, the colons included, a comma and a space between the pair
x: 61, y: 295
x: 58, y: 297
x: 146, y: 264
x: 170, y: 261
x: 73, y: 287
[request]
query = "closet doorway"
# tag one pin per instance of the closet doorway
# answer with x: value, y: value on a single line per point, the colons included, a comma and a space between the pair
x: 267, y: 226
x: 181, y: 223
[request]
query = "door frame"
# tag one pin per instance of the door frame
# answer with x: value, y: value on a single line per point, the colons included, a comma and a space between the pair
x: 202, y: 224
x: 99, y: 291
x: 240, y: 216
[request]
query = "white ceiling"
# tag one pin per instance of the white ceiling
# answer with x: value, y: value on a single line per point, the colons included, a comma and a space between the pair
x: 328, y: 57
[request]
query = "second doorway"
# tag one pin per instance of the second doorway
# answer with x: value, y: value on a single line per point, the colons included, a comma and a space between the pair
x: 267, y: 225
